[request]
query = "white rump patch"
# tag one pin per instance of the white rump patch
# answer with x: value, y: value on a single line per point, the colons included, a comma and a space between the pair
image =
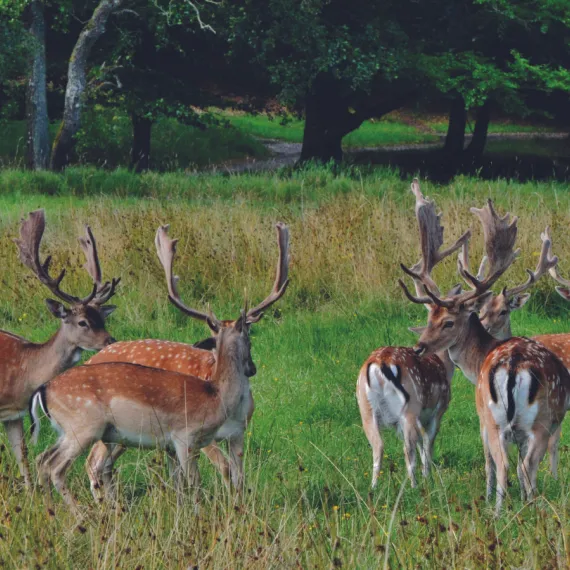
x: 386, y: 400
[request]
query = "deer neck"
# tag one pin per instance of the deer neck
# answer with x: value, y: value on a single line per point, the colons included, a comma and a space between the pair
x: 471, y: 348
x: 229, y: 377
x: 52, y: 358
x: 448, y: 364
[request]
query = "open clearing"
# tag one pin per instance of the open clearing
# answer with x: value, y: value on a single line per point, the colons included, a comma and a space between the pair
x: 308, y: 463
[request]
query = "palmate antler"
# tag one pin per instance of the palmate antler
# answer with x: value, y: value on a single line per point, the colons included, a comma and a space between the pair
x: 31, y: 233
x: 166, y: 250
x: 104, y: 291
x: 431, y: 240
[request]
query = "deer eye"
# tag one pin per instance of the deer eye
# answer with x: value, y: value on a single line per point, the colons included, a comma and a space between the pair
x: 448, y: 324
x: 82, y: 323
x: 503, y: 312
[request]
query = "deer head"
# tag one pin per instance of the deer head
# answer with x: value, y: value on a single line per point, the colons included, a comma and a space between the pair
x: 82, y: 319
x: 166, y: 250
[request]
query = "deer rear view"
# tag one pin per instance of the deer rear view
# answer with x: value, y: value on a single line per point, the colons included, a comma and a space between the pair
x: 395, y: 388
x: 24, y: 365
x: 522, y: 388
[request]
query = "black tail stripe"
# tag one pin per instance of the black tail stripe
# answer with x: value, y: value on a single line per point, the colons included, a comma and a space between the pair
x: 387, y: 371
x: 534, y: 385
x: 43, y: 401
x: 510, y: 398
x: 492, y: 387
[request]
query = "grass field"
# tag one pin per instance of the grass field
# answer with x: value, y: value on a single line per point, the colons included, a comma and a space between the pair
x: 308, y: 463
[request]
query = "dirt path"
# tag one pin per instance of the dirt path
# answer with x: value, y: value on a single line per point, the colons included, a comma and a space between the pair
x: 288, y: 153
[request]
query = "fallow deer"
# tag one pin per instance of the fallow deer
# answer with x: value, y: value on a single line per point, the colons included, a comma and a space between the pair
x: 187, y: 359
x: 397, y: 389
x: 522, y: 389
x: 24, y: 365
x: 140, y: 406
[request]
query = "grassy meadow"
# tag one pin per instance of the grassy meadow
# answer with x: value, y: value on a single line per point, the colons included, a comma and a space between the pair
x: 308, y: 502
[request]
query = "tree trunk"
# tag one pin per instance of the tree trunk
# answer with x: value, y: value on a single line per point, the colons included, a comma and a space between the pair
x: 479, y: 140
x: 77, y: 82
x: 140, y: 155
x: 322, y: 136
x: 455, y: 138
x: 36, y: 97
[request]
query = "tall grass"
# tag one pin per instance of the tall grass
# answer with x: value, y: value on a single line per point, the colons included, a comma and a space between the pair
x: 308, y: 464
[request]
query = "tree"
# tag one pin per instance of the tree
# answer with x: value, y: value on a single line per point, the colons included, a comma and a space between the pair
x: 77, y: 82
x: 36, y: 96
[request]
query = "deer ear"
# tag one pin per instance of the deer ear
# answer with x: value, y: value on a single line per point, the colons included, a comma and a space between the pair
x: 417, y: 330
x: 106, y: 310
x: 57, y: 309
x: 478, y: 303
x: 518, y: 301
x: 563, y: 292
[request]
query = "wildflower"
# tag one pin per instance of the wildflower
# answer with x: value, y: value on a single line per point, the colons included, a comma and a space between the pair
x: 434, y: 517
x: 366, y: 473
x: 335, y: 508
x: 384, y: 506
x: 300, y: 423
x: 346, y: 516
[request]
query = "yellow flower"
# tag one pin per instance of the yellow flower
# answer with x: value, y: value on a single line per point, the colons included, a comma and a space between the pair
x: 335, y: 508
x: 346, y: 515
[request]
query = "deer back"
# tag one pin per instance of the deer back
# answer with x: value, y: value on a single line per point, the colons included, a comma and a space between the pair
x: 167, y: 355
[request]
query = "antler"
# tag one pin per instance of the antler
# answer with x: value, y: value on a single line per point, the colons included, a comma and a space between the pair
x: 431, y: 239
x: 105, y: 290
x: 281, y: 276
x: 500, y: 235
x: 546, y: 262
x: 166, y: 250
x: 31, y: 233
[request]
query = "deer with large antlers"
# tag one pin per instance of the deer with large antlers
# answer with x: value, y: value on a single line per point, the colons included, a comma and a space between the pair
x: 522, y: 389
x: 196, y: 360
x: 397, y: 389
x: 140, y: 406
x: 495, y: 314
x: 24, y: 365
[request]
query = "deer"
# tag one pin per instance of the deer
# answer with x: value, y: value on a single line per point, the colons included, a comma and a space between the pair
x: 25, y: 365
x: 197, y: 360
x: 139, y: 406
x: 522, y: 389
x: 397, y: 389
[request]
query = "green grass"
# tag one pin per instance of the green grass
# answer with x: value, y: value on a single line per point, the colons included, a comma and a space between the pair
x: 308, y: 463
x: 370, y: 134
x: 106, y: 140
x: 498, y: 127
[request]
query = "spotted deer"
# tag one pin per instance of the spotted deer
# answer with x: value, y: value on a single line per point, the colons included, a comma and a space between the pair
x: 187, y: 359
x: 522, y: 388
x: 397, y: 389
x: 139, y: 406
x: 25, y: 365
x: 495, y: 314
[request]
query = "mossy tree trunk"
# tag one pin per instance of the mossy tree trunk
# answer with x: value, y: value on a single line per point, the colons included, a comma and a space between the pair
x: 36, y: 97
x: 77, y: 82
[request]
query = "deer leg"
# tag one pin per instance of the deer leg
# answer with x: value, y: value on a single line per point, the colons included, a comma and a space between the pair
x: 490, y: 468
x: 373, y: 435
x: 108, y: 474
x: 424, y: 448
x: 69, y: 450
x: 537, y: 446
x: 498, y: 450
x: 235, y: 446
x: 553, y: 451
x: 410, y: 442
x: 42, y: 465
x: 523, y: 448
x: 218, y: 459
x: 15, y: 431
x: 94, y: 466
